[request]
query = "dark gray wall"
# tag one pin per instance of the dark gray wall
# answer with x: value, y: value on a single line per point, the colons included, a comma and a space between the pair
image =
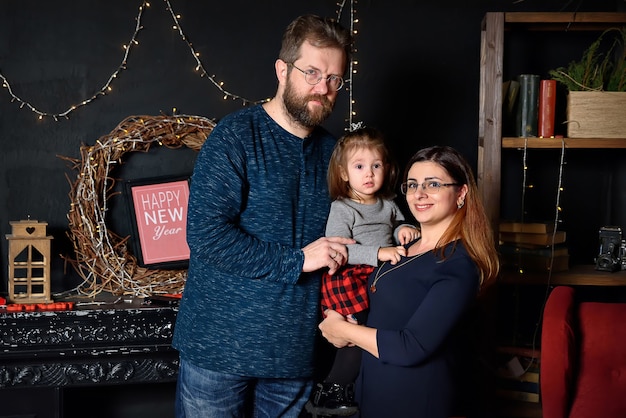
x: 418, y: 80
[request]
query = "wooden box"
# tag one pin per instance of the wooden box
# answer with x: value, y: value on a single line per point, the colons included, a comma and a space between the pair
x: 596, y: 114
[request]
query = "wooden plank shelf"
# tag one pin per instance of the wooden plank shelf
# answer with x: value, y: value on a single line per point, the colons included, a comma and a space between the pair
x: 587, y: 143
x: 581, y: 275
x: 560, y: 21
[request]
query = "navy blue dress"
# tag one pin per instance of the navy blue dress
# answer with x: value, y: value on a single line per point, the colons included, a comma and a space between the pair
x: 417, y: 308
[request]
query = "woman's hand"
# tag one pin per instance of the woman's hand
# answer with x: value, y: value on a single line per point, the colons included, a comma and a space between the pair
x: 332, y: 327
x: 341, y: 332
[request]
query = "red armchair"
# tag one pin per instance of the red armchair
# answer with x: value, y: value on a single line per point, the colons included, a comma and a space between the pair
x: 583, y: 357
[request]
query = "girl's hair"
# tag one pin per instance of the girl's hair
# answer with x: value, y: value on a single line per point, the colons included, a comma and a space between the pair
x: 318, y: 31
x: 470, y: 222
x: 360, y: 138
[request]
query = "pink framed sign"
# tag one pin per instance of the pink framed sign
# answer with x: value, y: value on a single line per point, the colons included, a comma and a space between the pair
x: 159, y: 214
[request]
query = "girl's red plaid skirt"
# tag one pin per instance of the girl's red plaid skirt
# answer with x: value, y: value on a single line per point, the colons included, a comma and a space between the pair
x: 346, y: 290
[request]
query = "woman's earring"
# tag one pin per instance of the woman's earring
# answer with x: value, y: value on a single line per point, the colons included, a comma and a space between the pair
x: 460, y: 204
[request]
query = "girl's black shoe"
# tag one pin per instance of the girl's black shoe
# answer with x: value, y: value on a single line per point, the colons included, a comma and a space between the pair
x: 332, y: 399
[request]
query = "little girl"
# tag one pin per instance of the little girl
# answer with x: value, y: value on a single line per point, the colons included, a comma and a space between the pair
x: 361, y: 179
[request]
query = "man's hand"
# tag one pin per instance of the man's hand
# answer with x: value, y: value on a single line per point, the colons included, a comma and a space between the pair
x: 328, y: 252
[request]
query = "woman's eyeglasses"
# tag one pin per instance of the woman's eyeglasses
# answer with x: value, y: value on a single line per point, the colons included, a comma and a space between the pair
x: 430, y: 186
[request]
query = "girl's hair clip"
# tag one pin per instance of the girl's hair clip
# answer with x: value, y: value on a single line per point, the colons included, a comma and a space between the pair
x: 357, y: 125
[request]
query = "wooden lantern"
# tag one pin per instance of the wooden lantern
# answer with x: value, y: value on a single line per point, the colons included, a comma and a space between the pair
x: 29, y: 262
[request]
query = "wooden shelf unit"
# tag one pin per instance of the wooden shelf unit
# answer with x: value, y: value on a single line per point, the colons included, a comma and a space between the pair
x: 494, y: 28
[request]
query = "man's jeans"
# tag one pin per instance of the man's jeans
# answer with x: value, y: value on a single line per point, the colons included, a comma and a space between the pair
x: 202, y: 393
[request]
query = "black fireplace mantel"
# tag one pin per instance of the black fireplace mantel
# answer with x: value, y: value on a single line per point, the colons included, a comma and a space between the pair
x: 94, y: 344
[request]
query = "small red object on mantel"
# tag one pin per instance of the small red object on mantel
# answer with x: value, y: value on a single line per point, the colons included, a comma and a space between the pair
x: 40, y: 307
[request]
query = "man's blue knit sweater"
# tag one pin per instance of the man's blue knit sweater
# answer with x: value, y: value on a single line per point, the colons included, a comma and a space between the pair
x: 258, y: 196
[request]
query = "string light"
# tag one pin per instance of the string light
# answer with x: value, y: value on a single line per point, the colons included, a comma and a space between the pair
x: 557, y: 205
x: 199, y: 68
x: 107, y: 88
x: 353, y: 62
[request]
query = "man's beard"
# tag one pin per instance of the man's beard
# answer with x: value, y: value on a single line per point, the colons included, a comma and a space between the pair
x: 298, y: 110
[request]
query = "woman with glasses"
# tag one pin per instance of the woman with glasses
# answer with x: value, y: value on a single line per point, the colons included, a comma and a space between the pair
x: 420, y: 306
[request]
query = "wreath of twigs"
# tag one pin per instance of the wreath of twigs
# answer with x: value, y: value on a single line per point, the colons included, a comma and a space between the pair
x: 102, y: 257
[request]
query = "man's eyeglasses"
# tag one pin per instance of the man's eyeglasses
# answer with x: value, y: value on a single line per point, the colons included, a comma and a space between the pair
x: 430, y: 186
x: 313, y: 77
